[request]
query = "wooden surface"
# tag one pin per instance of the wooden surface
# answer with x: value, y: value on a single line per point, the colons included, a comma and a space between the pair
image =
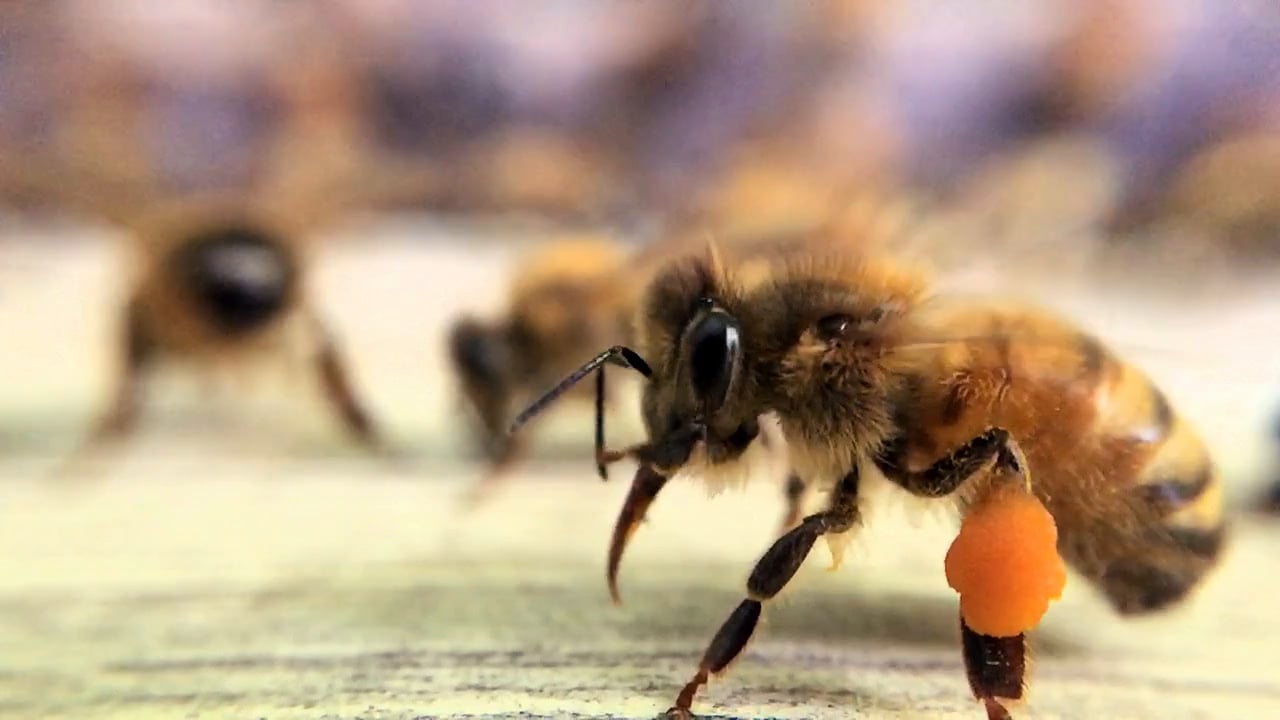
x: 250, y: 590
x: 238, y: 561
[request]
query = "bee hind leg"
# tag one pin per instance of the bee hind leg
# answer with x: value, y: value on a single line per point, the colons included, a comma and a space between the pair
x: 946, y: 475
x: 996, y: 667
x: 772, y: 572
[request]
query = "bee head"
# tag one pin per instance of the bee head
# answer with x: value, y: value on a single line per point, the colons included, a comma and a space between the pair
x: 241, y: 277
x: 481, y: 359
x: 703, y: 391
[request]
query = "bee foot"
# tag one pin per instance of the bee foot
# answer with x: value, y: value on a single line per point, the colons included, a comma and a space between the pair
x: 996, y: 711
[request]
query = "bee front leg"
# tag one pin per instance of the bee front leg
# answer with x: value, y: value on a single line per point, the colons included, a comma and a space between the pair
x: 772, y: 572
x: 138, y: 349
x: 503, y: 458
x: 794, y: 492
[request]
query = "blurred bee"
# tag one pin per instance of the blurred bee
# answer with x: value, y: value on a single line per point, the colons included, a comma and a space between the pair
x: 871, y: 380
x: 1221, y: 195
x: 219, y: 280
x: 220, y: 238
x: 567, y: 297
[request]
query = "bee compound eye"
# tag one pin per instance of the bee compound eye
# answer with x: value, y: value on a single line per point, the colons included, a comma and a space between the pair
x: 715, y: 357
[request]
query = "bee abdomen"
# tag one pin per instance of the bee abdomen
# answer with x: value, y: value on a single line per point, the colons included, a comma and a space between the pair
x: 1169, y: 532
x: 1162, y: 572
x: 1178, y: 483
x: 1179, y: 497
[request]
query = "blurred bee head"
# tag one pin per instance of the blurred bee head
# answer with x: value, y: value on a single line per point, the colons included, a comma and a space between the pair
x: 479, y: 353
x: 481, y: 358
x: 215, y: 270
x: 238, y: 276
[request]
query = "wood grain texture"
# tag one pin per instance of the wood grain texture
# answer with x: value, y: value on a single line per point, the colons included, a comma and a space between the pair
x: 317, y: 593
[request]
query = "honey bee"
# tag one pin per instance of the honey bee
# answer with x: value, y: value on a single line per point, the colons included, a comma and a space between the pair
x: 222, y: 254
x: 220, y: 280
x: 872, y: 378
x: 579, y: 293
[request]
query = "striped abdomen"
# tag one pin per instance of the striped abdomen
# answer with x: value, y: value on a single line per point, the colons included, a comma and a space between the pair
x: 1135, y: 494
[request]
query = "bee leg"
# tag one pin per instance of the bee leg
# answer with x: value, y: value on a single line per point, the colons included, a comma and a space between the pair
x: 772, y: 572
x: 947, y: 474
x: 335, y: 378
x: 121, y: 415
x: 794, y: 493
x: 139, y: 348
x: 996, y: 667
x: 502, y: 461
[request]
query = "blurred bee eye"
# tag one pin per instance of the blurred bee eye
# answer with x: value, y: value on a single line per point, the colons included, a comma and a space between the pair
x: 715, y: 358
x: 240, y: 276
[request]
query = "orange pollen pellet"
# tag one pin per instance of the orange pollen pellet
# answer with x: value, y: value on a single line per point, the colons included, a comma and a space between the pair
x: 1005, y: 563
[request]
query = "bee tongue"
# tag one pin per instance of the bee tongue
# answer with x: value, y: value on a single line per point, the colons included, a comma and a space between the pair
x: 644, y: 488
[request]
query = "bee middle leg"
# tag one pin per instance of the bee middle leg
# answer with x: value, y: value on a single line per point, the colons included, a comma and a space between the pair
x: 119, y: 419
x: 794, y: 492
x: 772, y: 572
x: 339, y: 390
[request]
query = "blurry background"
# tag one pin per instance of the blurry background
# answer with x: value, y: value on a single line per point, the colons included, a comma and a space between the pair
x: 1119, y: 159
x: 1127, y: 144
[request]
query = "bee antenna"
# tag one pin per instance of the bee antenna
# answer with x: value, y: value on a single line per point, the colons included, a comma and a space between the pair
x: 617, y: 355
x: 601, y: 469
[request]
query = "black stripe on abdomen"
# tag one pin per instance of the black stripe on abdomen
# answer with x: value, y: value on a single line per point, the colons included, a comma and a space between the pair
x: 1172, y: 493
